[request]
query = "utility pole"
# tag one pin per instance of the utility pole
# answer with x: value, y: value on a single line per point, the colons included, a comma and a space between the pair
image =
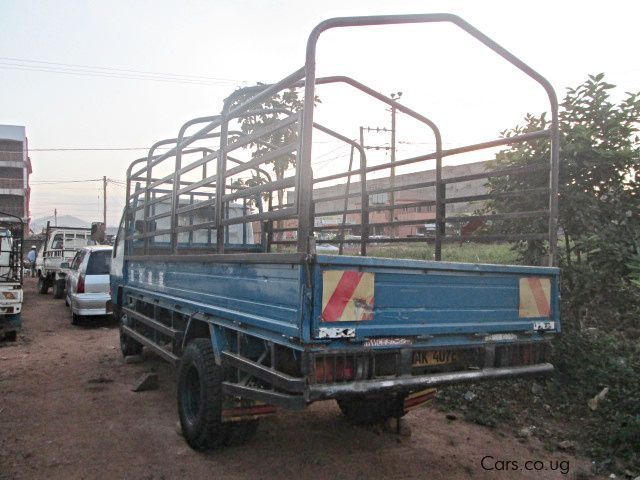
x: 55, y: 217
x: 392, y: 203
x: 377, y: 147
x: 104, y: 202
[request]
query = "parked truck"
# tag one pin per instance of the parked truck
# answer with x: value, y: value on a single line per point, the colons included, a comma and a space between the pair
x: 11, y: 274
x: 60, y: 246
x: 255, y: 325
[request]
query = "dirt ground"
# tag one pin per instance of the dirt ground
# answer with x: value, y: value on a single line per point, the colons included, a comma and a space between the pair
x: 67, y: 411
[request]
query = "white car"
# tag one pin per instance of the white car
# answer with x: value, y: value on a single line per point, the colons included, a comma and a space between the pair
x: 88, y: 282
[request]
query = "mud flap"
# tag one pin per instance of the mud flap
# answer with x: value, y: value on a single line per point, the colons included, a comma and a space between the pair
x: 239, y: 410
x: 419, y: 399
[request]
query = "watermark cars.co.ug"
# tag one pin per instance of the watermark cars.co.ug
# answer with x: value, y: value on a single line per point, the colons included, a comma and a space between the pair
x: 490, y: 463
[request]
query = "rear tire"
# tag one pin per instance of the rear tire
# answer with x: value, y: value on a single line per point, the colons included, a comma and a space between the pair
x: 11, y: 336
x: 43, y: 288
x: 58, y: 289
x: 200, y: 397
x: 75, y: 318
x: 367, y: 410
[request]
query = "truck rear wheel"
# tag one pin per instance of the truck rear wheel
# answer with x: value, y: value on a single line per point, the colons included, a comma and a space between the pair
x: 366, y: 410
x: 43, y: 288
x: 58, y: 289
x: 200, y: 396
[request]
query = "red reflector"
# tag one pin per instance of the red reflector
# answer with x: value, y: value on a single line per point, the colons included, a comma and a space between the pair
x: 330, y: 369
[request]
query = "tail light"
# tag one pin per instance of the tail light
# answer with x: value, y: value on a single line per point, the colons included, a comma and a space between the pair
x: 80, y: 288
x: 334, y: 369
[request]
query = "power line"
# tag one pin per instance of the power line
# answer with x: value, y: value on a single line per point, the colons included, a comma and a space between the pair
x: 111, y: 72
x: 47, y: 182
x: 126, y: 70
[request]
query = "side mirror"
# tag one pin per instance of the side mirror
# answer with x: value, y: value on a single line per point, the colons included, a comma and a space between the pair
x: 64, y: 265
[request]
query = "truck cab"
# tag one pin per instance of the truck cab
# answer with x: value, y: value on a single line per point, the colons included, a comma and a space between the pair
x: 11, y: 275
x: 56, y: 254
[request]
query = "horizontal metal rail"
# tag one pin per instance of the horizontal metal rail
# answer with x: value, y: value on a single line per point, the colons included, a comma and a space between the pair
x: 157, y: 349
x: 270, y: 128
x: 333, y: 390
x: 270, y: 375
x: 492, y: 196
x: 266, y: 158
x: 150, y: 322
x: 259, y: 189
x: 291, y: 402
x: 275, y: 215
x: 445, y: 153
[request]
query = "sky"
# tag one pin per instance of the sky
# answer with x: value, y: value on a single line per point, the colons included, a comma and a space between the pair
x: 203, y: 50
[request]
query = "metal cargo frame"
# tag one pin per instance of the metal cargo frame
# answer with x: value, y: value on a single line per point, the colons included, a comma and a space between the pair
x: 216, y: 192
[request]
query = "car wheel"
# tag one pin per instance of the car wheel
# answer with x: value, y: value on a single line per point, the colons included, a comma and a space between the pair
x: 42, y: 285
x: 11, y: 336
x: 58, y: 289
x: 200, y: 396
x: 75, y: 318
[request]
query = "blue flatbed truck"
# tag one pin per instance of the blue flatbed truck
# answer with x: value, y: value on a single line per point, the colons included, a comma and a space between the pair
x: 222, y: 277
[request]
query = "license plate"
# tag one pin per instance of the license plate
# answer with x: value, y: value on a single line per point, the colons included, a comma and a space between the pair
x: 433, y: 357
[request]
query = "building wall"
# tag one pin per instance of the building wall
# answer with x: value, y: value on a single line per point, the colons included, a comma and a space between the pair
x: 15, y: 168
x: 406, y: 197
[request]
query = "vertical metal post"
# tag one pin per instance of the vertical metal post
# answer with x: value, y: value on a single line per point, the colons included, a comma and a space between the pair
x: 364, y: 199
x: 346, y: 202
x: 440, y: 205
x: 175, y: 198
x: 554, y: 173
x: 392, y: 203
x: 221, y: 181
x: 104, y: 201
x: 147, y: 196
x: 392, y: 198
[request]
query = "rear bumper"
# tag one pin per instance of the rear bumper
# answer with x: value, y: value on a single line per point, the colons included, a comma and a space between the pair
x: 334, y: 390
x: 89, y: 303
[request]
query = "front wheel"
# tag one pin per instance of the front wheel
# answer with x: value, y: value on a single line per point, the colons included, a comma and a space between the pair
x: 58, y: 289
x: 43, y: 288
x: 200, y: 396
x: 11, y: 336
x: 366, y: 410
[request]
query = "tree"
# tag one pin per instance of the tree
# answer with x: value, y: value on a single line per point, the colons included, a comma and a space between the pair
x: 599, y: 207
x: 280, y: 103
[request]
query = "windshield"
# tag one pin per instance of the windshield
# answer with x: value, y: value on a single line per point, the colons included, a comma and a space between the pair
x: 99, y: 263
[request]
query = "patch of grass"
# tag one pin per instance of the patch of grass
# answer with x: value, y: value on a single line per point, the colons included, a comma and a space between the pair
x: 466, y: 252
x: 586, y: 363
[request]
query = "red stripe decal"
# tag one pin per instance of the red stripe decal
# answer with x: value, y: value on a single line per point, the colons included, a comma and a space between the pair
x: 341, y: 295
x: 257, y: 410
x: 417, y: 400
x: 538, y: 294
